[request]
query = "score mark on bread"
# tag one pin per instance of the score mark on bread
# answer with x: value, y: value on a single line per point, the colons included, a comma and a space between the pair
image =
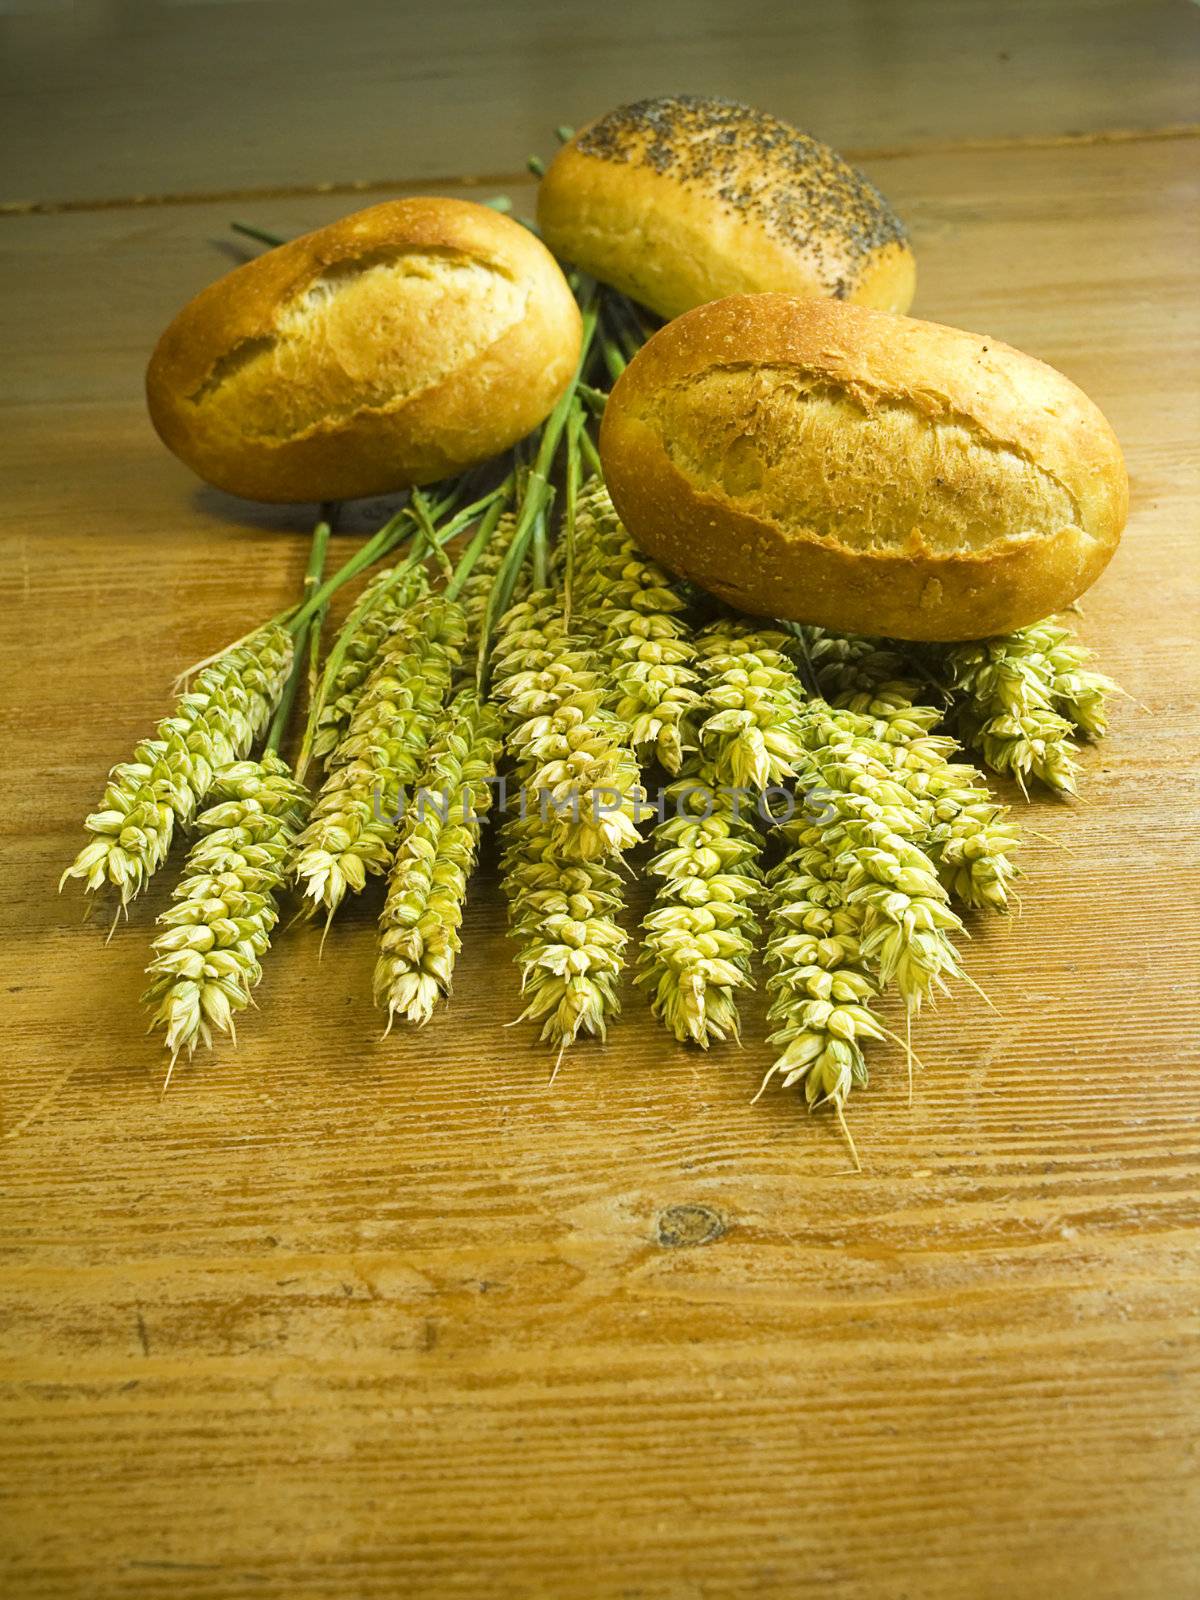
x: 870, y: 473
x: 868, y: 470
x: 400, y: 299
x: 398, y: 346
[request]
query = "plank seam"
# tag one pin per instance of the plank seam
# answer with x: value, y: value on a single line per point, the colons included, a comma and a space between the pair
x: 501, y: 180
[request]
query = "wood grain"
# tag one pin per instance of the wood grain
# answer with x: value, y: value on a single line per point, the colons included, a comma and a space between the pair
x: 350, y: 1318
x: 153, y: 99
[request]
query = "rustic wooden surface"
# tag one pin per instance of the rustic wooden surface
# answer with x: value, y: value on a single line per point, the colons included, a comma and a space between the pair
x: 344, y: 1318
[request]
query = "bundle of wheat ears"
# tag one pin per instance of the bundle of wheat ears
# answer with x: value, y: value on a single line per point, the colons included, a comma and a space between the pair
x: 801, y: 797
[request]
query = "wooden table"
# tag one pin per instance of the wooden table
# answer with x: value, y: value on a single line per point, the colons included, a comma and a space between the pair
x: 348, y: 1318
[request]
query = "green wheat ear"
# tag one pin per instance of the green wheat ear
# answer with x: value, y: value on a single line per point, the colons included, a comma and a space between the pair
x: 698, y: 937
x: 380, y: 607
x: 629, y: 609
x: 208, y: 956
x: 1020, y: 698
x: 562, y: 891
x: 419, y: 938
x: 352, y: 832
x: 820, y: 982
x: 213, y: 724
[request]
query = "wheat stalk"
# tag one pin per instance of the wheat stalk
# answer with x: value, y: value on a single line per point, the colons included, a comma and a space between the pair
x: 1004, y: 707
x: 570, y: 945
x: 214, y: 723
x: 419, y: 938
x: 208, y: 957
x: 870, y: 676
x: 1076, y: 692
x: 477, y: 587
x: 964, y: 829
x: 764, y: 732
x: 968, y: 834
x: 761, y: 733
x: 875, y: 831
x: 535, y: 494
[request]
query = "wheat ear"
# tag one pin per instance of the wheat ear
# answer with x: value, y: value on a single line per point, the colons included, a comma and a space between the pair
x: 352, y: 831
x: 208, y: 956
x: 698, y: 937
x: 1020, y: 698
x: 820, y: 984
x: 628, y: 608
x: 562, y: 891
x: 419, y: 939
x: 213, y: 724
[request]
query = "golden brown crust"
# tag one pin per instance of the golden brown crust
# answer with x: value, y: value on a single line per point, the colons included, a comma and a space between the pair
x: 867, y: 472
x: 395, y: 347
x: 682, y: 200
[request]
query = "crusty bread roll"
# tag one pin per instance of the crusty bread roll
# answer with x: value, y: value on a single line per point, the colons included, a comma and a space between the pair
x: 395, y: 347
x: 867, y: 472
x: 683, y: 200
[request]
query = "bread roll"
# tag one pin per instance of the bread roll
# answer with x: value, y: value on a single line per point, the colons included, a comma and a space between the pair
x: 866, y: 472
x: 395, y: 347
x: 683, y: 200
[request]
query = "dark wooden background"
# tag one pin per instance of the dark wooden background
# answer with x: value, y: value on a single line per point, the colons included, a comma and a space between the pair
x: 348, y: 1318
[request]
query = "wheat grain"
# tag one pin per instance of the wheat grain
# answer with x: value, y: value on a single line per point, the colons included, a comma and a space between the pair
x: 1019, y: 699
x: 968, y: 833
x: 1076, y: 692
x: 764, y: 732
x: 570, y: 945
x: 1004, y: 707
x: 578, y: 803
x: 907, y: 920
x: 569, y: 751
x: 870, y: 676
x: 965, y: 830
x: 875, y: 831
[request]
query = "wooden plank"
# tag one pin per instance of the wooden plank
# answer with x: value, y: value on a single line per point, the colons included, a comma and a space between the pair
x: 349, y: 1317
x: 175, y: 98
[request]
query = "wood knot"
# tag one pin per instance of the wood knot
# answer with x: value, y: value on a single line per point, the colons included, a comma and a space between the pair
x: 680, y: 1227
